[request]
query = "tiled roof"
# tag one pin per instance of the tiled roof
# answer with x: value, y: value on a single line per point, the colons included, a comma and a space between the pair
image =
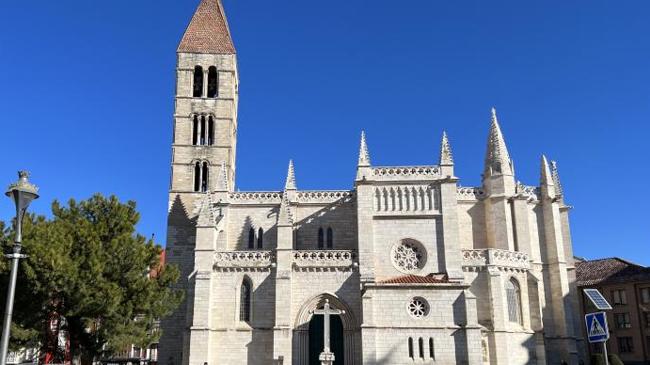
x: 609, y: 271
x: 415, y: 279
x: 208, y: 31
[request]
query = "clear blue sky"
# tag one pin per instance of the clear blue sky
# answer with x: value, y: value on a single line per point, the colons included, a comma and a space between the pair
x: 86, y: 95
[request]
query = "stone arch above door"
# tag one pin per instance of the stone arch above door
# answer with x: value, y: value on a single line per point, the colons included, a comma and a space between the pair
x: 351, y: 329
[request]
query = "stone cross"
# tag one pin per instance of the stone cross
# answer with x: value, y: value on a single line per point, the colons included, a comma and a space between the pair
x: 327, y: 357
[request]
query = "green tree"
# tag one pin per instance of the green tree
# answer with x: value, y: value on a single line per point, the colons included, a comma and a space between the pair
x: 89, y: 265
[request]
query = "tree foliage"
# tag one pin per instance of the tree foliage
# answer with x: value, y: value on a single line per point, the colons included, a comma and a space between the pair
x: 89, y: 265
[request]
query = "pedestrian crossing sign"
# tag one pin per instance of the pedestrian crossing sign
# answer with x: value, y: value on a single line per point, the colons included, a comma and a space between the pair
x: 597, y: 330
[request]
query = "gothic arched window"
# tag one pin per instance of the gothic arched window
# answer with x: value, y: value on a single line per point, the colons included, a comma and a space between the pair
x: 421, y: 347
x: 198, y: 82
x: 251, y: 239
x: 210, y: 131
x: 204, y: 177
x: 245, y: 300
x: 431, y: 352
x: 197, y: 176
x: 212, y: 82
x: 513, y: 295
x: 260, y: 238
x: 410, y: 343
x: 321, y: 238
x: 195, y: 130
x: 330, y: 238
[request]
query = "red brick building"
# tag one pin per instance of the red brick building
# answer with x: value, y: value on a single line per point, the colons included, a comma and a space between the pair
x: 627, y: 288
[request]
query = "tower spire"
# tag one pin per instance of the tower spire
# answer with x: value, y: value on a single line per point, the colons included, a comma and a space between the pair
x: 364, y: 155
x: 497, y: 158
x: 290, y: 183
x: 208, y: 31
x: 446, y: 157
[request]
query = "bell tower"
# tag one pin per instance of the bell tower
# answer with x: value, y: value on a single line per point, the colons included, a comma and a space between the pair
x: 203, y: 158
x: 205, y: 117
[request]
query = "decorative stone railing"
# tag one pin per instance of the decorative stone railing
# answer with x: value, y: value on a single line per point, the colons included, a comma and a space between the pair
x: 531, y: 192
x: 406, y: 172
x: 323, y: 196
x: 256, y: 197
x: 469, y: 193
x: 243, y: 259
x: 496, y: 257
x: 324, y: 259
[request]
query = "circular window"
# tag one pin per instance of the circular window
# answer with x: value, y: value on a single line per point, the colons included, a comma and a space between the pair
x: 408, y: 256
x: 418, y: 307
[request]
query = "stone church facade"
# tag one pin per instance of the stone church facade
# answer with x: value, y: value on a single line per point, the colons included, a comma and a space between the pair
x: 425, y: 270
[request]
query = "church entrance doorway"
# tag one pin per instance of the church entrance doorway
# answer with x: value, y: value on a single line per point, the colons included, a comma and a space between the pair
x: 316, y: 339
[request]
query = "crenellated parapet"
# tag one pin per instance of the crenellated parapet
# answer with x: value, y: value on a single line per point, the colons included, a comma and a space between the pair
x: 256, y: 197
x: 469, y: 193
x: 505, y: 260
x: 406, y: 173
x: 324, y: 196
x: 243, y: 260
x: 324, y: 260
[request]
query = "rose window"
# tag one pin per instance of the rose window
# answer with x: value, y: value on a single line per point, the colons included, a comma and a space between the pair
x: 418, y: 307
x: 408, y: 256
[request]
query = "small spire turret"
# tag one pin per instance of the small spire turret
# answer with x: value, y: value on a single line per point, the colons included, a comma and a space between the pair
x: 497, y: 158
x: 446, y: 157
x: 364, y: 155
x: 206, y: 214
x: 290, y: 182
x: 556, y: 179
x: 285, y: 217
x: 222, y: 178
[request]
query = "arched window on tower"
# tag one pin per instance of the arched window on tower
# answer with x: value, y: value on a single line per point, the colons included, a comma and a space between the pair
x: 410, y: 344
x: 203, y: 131
x: 245, y: 295
x: 195, y: 130
x: 204, y: 177
x: 210, y: 131
x: 197, y: 176
x: 432, y: 354
x: 251, y: 238
x: 198, y: 82
x: 513, y: 295
x: 321, y: 239
x: 212, y: 82
x: 260, y: 238
x: 421, y: 347
x: 330, y: 238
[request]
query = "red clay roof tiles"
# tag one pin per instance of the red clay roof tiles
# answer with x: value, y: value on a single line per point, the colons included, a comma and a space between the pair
x: 208, y: 31
x: 609, y: 270
x: 415, y: 279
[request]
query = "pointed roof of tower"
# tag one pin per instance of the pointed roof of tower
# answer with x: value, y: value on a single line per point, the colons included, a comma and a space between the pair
x: 206, y: 215
x: 222, y: 179
x: 497, y: 152
x: 556, y: 179
x: 364, y: 155
x: 208, y: 31
x: 446, y: 157
x: 546, y: 175
x: 290, y: 182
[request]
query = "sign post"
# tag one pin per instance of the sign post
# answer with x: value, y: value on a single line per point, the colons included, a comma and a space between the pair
x: 597, y: 330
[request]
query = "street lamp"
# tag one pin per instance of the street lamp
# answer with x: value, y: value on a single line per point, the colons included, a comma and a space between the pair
x: 22, y: 192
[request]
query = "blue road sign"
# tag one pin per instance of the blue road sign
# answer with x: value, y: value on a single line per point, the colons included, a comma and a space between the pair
x: 597, y: 330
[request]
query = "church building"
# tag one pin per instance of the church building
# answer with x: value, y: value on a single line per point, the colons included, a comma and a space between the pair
x: 418, y: 268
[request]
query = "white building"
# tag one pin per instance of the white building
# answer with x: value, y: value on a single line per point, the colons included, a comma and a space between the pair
x: 427, y: 271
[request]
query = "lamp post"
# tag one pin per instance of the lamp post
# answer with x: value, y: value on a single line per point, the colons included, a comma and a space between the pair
x: 22, y: 192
